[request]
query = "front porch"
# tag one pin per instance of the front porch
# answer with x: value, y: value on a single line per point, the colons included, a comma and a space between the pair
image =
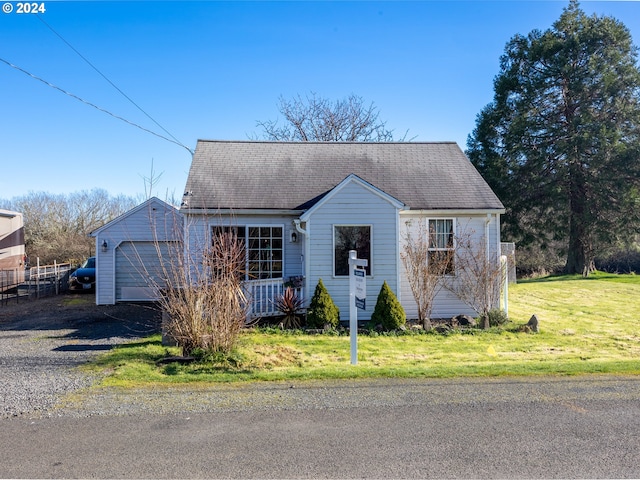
x: 262, y: 294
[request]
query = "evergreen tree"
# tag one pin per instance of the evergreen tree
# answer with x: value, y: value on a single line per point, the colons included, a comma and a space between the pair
x: 322, y: 310
x: 388, y: 311
x: 560, y: 142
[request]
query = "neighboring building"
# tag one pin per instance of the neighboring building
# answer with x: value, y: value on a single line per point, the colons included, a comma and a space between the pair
x: 133, y: 252
x: 12, y: 253
x: 300, y: 206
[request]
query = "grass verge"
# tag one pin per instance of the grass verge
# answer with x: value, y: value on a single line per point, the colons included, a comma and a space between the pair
x: 587, y: 326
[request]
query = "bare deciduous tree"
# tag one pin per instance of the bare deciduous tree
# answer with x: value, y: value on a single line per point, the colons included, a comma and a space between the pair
x: 318, y: 119
x: 479, y: 275
x: 57, y: 226
x: 426, y: 269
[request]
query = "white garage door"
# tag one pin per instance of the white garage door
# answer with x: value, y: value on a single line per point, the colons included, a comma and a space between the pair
x: 139, y: 271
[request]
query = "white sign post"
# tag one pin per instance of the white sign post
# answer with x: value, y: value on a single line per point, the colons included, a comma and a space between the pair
x: 357, y: 298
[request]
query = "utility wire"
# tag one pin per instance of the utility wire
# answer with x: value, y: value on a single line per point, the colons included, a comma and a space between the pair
x: 109, y: 81
x: 94, y: 105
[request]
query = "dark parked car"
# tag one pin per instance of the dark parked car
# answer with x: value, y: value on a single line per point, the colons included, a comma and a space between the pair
x: 84, y: 278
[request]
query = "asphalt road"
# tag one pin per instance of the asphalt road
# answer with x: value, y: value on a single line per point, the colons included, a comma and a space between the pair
x: 586, y: 427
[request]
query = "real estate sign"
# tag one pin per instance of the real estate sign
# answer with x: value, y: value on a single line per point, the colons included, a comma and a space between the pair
x: 357, y: 290
x: 360, y: 286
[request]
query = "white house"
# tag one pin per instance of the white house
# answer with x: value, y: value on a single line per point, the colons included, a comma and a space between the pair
x: 133, y: 250
x: 301, y: 206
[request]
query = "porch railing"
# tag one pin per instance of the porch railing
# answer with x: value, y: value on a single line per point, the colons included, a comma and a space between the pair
x: 262, y: 296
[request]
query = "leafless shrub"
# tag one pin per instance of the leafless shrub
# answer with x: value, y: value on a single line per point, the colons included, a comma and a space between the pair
x: 479, y: 275
x: 426, y: 268
x: 205, y: 300
x: 198, y: 283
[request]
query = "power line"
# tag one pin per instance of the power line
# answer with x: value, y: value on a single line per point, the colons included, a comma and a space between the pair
x: 108, y: 80
x: 35, y: 77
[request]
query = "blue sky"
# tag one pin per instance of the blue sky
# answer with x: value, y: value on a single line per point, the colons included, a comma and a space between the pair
x: 211, y: 69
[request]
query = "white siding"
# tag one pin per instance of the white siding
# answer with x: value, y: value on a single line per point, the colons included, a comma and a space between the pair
x: 446, y: 304
x: 151, y: 221
x: 354, y: 205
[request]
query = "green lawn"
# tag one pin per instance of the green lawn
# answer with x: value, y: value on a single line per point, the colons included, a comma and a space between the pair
x: 586, y: 326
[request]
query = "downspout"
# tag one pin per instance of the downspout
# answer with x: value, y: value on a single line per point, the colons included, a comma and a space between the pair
x: 486, y: 240
x: 486, y: 235
x: 398, y: 258
x: 305, y: 255
x: 504, y: 263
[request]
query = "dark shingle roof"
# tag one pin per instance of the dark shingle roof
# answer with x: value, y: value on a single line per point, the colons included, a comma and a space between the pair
x: 293, y: 175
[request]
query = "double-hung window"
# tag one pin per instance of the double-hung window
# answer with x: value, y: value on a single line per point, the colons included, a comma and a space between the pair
x: 441, y: 245
x: 350, y: 237
x: 263, y: 249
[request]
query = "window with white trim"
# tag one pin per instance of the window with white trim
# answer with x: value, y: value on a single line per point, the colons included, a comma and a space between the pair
x: 264, y: 252
x: 263, y: 249
x: 441, y: 245
x: 350, y: 237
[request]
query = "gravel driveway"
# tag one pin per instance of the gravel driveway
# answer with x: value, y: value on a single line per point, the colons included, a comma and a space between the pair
x: 42, y: 341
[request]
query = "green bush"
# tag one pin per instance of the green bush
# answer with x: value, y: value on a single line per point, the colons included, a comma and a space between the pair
x: 497, y: 317
x: 388, y: 312
x: 322, y: 310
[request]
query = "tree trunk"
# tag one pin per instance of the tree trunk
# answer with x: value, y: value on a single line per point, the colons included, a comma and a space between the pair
x: 426, y: 324
x: 580, y: 252
x: 575, y: 255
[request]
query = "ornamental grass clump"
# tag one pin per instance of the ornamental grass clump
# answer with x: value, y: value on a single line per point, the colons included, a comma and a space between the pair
x: 388, y: 312
x: 322, y: 311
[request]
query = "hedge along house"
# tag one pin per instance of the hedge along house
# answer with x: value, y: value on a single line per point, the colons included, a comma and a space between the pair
x: 301, y: 206
x: 134, y: 250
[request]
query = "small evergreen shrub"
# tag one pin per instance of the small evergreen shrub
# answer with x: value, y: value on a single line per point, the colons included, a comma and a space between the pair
x: 388, y: 311
x: 497, y: 317
x: 322, y: 310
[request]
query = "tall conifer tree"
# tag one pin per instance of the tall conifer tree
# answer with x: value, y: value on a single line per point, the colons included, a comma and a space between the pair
x: 560, y: 143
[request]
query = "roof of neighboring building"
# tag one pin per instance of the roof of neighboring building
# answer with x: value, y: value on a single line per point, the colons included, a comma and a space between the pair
x: 295, y: 175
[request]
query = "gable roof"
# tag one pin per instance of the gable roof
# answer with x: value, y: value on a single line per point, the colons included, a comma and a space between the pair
x: 152, y: 202
x: 295, y: 175
x: 353, y: 179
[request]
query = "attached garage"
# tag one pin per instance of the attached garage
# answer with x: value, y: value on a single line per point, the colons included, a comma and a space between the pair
x: 141, y: 269
x: 135, y: 251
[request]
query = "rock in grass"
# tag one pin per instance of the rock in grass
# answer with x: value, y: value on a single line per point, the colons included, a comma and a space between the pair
x: 464, y: 321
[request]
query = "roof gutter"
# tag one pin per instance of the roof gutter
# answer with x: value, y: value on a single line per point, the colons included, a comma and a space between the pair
x: 296, y: 223
x: 455, y: 212
x: 240, y: 211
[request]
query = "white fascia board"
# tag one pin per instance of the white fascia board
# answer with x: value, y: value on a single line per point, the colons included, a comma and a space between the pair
x: 452, y: 212
x: 9, y: 213
x: 240, y: 211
